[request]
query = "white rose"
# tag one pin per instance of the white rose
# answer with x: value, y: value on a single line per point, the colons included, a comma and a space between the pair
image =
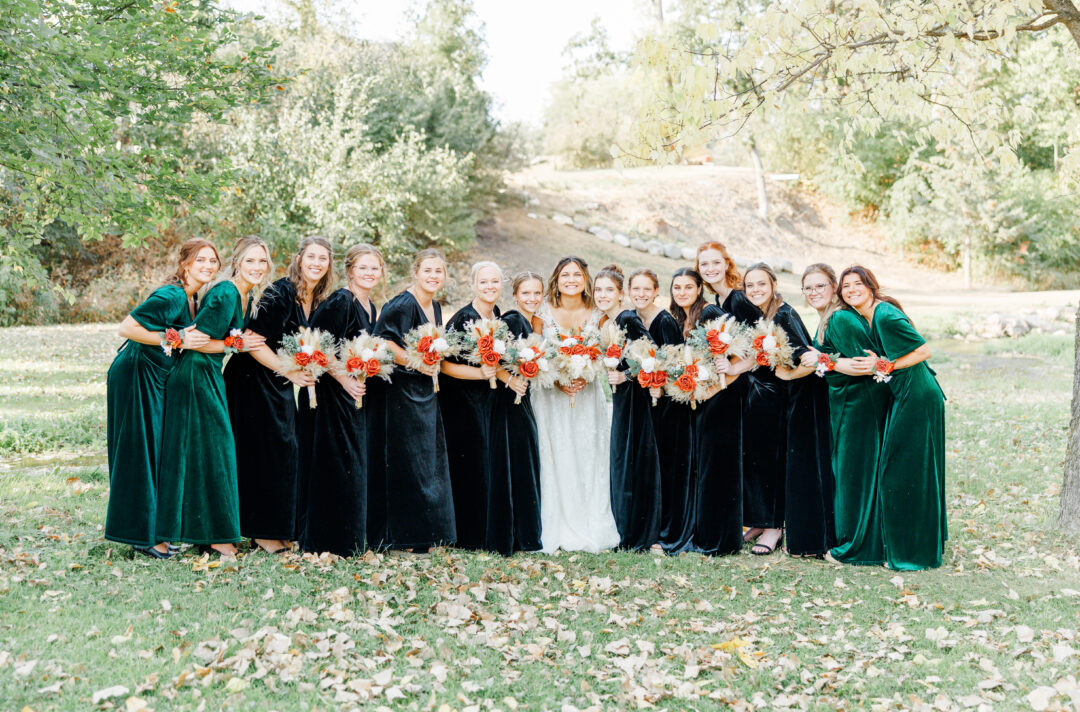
x: 543, y: 364
x: 569, y: 341
x: 648, y: 364
x: 527, y: 353
x: 499, y: 347
x: 367, y: 354
x: 770, y: 343
x: 439, y: 345
x: 703, y: 373
x: 578, y: 363
x: 307, y: 349
x: 611, y: 362
x: 725, y: 337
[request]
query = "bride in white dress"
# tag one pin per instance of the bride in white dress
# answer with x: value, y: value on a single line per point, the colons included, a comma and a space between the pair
x: 575, y: 482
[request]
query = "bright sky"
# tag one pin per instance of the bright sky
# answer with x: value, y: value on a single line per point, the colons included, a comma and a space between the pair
x: 525, y: 39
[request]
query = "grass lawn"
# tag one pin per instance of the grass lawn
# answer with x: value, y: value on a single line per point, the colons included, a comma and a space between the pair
x: 84, y: 625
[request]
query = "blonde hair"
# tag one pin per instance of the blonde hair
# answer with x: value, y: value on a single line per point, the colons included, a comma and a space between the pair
x: 426, y: 254
x: 522, y: 277
x: 777, y: 299
x: 474, y: 273
x: 834, y: 303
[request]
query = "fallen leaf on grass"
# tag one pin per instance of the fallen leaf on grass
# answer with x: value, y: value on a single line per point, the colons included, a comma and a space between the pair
x: 108, y: 692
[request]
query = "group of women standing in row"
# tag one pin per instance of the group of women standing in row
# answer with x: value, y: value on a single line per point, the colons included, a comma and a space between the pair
x: 843, y: 467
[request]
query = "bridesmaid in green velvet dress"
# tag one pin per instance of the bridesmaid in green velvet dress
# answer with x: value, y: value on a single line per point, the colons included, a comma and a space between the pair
x: 911, y: 465
x: 857, y: 408
x: 197, y: 498
x: 136, y: 400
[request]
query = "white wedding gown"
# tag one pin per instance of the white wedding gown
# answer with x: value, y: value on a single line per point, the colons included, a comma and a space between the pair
x: 575, y: 482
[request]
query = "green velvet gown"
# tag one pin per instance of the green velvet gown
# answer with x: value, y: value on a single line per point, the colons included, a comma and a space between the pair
x: 911, y: 467
x: 858, y: 406
x: 197, y: 492
x: 136, y: 404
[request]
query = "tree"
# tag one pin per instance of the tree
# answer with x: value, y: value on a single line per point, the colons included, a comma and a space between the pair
x: 876, y: 61
x: 94, y: 96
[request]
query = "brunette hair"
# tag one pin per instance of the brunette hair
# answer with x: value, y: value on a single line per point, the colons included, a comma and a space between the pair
x: 426, y: 254
x: 612, y: 272
x: 474, y: 273
x: 777, y: 299
x: 640, y: 271
x: 186, y: 257
x: 554, y: 296
x: 732, y: 278
x: 688, y: 319
x: 522, y: 277
x: 872, y: 284
x: 834, y: 304
x: 353, y: 255
x: 326, y: 282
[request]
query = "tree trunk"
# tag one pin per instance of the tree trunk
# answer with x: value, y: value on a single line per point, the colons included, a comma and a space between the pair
x: 759, y: 177
x: 1067, y: 10
x: 967, y: 262
x: 1069, y: 514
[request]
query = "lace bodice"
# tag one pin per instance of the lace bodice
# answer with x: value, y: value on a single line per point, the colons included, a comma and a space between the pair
x: 552, y: 328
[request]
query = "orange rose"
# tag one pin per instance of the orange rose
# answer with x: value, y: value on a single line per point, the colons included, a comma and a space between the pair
x: 424, y: 345
x: 529, y: 369
x: 712, y: 335
x: 692, y: 369
x: 759, y: 342
x: 490, y: 358
x: 485, y: 343
x: 564, y: 350
x: 716, y: 346
x: 354, y: 363
x: 613, y: 351
x: 884, y: 366
x: 577, y: 350
x: 372, y: 367
x: 659, y: 378
x: 320, y: 358
x: 302, y: 359
x: 685, y: 383
x: 644, y: 379
x: 762, y: 358
x: 430, y: 358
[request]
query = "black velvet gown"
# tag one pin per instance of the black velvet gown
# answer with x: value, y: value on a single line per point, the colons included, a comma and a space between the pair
x: 262, y: 410
x: 466, y: 407
x: 810, y: 526
x: 718, y: 465
x: 513, y: 516
x: 416, y: 506
x: 333, y: 445
x: 673, y: 424
x: 635, y: 461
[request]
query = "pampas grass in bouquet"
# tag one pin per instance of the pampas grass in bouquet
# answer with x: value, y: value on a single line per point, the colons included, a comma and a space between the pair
x: 364, y: 357
x: 307, y: 350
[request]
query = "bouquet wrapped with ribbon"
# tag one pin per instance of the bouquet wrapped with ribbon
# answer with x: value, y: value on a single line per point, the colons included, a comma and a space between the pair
x: 771, y: 346
x: 612, y: 343
x: 307, y: 350
x: 484, y: 342
x: 428, y: 345
x: 578, y: 356
x: 689, y: 374
x: 530, y: 358
x: 364, y: 357
x: 721, y: 337
x: 645, y: 364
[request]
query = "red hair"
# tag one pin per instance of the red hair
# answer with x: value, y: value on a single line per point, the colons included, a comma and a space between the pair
x: 732, y: 278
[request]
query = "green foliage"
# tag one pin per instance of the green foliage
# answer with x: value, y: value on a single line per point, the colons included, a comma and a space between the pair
x: 93, y: 100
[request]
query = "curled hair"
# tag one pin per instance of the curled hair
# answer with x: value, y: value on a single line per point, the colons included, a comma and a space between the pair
x: 474, y: 273
x: 554, y: 296
x: 834, y: 303
x: 612, y: 272
x: 732, y: 278
x: 644, y: 271
x: 872, y: 284
x: 777, y: 299
x: 241, y: 247
x: 322, y: 288
x: 522, y: 277
x: 186, y: 257
x: 687, y: 319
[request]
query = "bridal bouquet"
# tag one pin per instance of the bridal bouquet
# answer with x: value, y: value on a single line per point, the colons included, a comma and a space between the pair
x: 364, y: 357
x: 306, y: 350
x: 427, y: 345
x: 612, y: 343
x: 771, y: 345
x: 645, y: 363
x: 530, y: 358
x: 689, y: 376
x: 721, y: 337
x: 484, y: 343
x: 578, y: 356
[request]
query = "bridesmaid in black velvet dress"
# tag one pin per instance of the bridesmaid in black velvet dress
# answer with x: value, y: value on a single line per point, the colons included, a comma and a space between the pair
x: 261, y: 405
x: 416, y: 507
x: 514, y: 496
x: 635, y: 462
x: 794, y: 483
x: 334, y: 436
x: 467, y: 401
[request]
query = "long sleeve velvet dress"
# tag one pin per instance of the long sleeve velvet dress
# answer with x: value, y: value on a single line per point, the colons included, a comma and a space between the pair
x: 513, y: 516
x: 673, y: 424
x: 262, y: 408
x: 135, y: 397
x: 635, y: 460
x: 416, y: 506
x: 334, y: 445
x: 718, y: 505
x: 197, y: 495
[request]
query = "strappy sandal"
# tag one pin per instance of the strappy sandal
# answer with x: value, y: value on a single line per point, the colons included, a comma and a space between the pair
x: 767, y: 549
x: 154, y: 553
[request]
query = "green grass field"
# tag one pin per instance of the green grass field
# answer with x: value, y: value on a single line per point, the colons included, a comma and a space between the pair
x: 84, y: 625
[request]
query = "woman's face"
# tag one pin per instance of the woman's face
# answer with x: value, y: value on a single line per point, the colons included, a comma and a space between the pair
x: 684, y: 291
x: 254, y: 265
x: 430, y: 275
x: 203, y: 268
x: 314, y: 263
x: 759, y: 289
x: 642, y: 291
x: 712, y: 266
x: 488, y: 285
x: 606, y: 294
x: 366, y: 272
x: 571, y: 280
x: 854, y: 292
x: 818, y: 290
x: 528, y: 296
